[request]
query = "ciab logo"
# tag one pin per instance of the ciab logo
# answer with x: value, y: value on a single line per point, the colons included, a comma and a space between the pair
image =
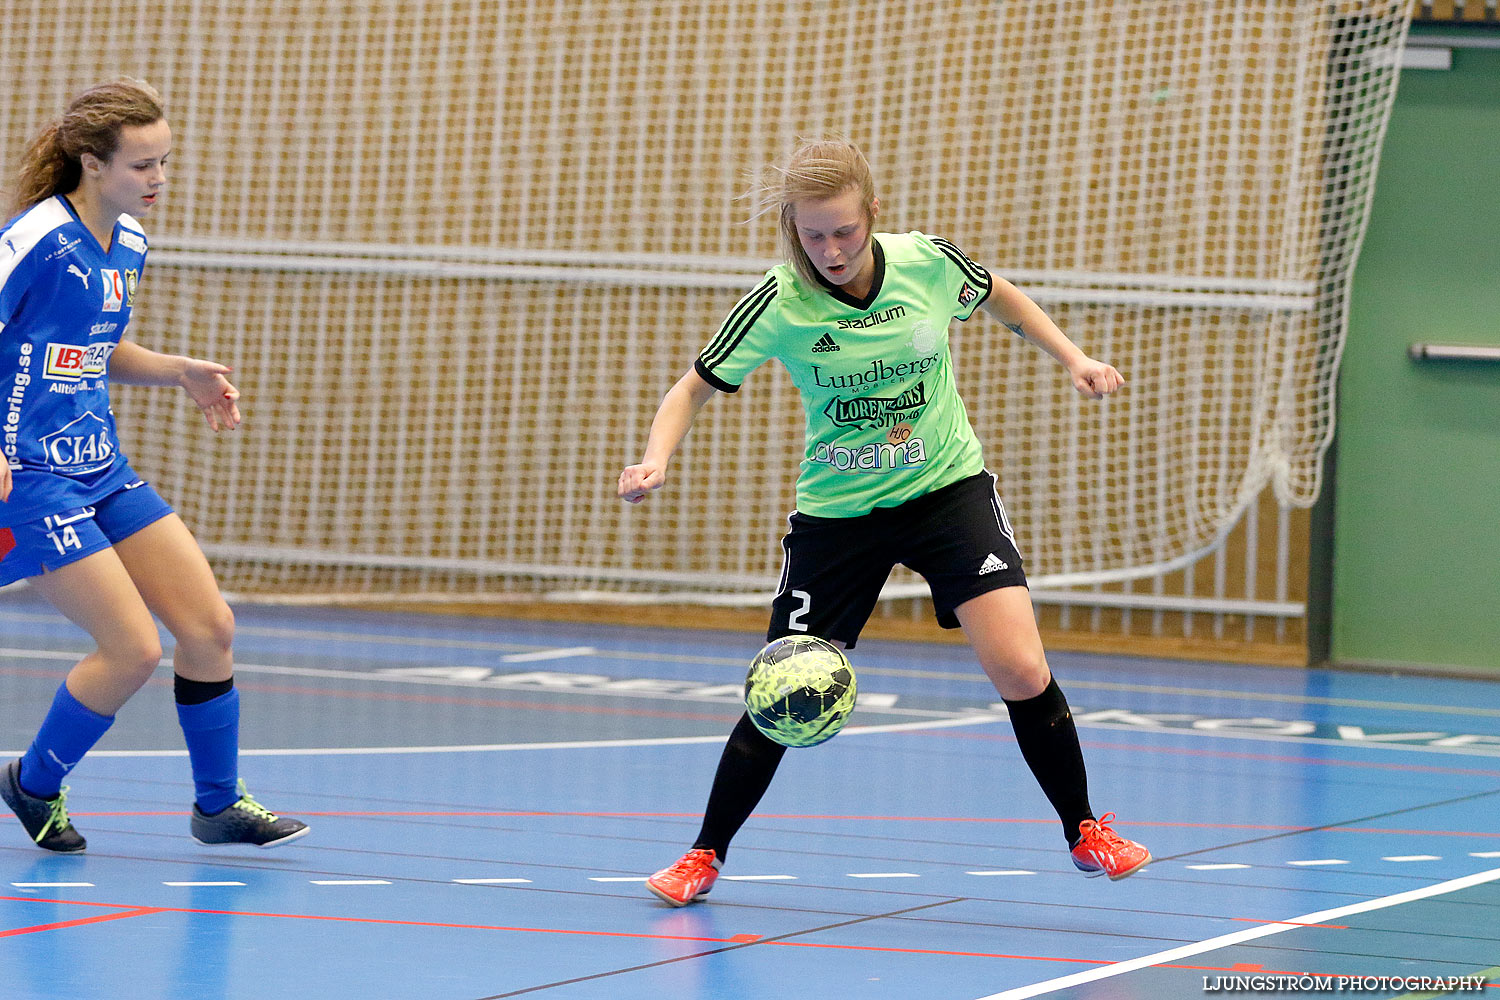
x: 83, y: 447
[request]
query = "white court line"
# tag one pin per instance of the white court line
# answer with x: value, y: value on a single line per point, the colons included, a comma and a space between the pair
x: 196, y: 885
x: 632, y: 878
x: 756, y: 878
x: 491, y: 881
x: 972, y: 719
x: 1413, y: 857
x: 549, y: 654
x: 349, y: 881
x: 1318, y: 861
x: 1013, y: 871
x: 1484, y: 854
x: 1215, y: 868
x: 337, y: 635
x: 53, y: 885
x: 883, y: 875
x: 1238, y: 937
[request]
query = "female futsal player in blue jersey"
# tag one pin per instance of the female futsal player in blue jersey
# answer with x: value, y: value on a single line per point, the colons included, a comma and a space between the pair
x: 75, y: 519
x: 892, y: 473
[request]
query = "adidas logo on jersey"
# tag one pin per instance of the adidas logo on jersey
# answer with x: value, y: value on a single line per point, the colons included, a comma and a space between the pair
x: 825, y: 344
x: 992, y: 564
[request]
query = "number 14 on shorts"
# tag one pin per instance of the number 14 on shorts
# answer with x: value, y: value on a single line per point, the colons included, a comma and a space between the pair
x: 61, y: 532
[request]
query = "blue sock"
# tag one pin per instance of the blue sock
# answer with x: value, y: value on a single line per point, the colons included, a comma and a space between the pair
x: 68, y: 732
x: 212, y: 731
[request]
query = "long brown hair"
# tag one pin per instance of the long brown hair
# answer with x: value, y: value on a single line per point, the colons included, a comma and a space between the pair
x: 820, y: 167
x: 53, y: 162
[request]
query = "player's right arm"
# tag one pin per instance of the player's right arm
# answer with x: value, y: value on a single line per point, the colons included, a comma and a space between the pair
x: 670, y: 425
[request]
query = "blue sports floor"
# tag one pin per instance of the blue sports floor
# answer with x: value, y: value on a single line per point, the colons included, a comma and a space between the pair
x: 487, y: 797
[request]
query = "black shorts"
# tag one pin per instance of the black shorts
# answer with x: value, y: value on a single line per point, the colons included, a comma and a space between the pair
x: 957, y: 538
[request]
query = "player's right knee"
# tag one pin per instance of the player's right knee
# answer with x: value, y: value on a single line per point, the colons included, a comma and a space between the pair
x: 135, y: 656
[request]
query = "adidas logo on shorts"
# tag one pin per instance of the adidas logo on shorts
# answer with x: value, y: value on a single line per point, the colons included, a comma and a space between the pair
x: 992, y: 564
x: 825, y: 344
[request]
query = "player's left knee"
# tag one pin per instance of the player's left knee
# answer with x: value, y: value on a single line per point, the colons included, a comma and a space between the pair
x: 211, y: 629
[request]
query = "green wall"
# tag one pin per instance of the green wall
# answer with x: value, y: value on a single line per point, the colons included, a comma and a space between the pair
x: 1416, y: 497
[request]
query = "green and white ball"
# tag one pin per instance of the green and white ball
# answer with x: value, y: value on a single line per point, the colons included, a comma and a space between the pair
x: 800, y: 690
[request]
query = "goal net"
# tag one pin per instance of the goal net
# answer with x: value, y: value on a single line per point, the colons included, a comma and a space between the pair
x: 456, y: 250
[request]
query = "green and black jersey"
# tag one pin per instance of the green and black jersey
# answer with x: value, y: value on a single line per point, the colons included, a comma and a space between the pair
x: 884, y: 421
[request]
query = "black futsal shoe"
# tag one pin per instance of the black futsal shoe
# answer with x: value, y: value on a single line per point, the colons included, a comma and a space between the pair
x: 245, y: 821
x: 46, y: 820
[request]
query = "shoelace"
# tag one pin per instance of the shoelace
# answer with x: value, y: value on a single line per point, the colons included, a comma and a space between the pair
x: 1101, y: 830
x: 689, y: 864
x: 253, y: 807
x: 57, y: 814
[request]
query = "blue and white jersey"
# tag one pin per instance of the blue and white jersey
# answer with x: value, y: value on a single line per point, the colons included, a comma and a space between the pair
x: 64, y: 305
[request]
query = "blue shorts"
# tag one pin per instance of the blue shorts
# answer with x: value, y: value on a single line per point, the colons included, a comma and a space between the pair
x: 48, y: 543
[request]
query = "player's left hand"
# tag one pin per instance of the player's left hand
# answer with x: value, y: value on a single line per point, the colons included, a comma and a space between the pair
x: 219, y: 401
x: 1095, y: 379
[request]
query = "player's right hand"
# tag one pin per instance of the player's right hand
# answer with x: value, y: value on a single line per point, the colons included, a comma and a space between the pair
x: 638, y: 480
x: 4, y: 479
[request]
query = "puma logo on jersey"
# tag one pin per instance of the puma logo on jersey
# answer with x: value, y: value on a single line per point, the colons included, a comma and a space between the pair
x: 83, y: 276
x: 825, y: 344
x: 992, y: 564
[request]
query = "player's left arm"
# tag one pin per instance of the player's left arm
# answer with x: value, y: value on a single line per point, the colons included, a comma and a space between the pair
x: 204, y: 381
x: 1023, y: 317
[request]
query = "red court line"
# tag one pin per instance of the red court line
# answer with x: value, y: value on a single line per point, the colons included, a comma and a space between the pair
x: 139, y: 911
x: 743, y: 939
x: 1238, y: 755
x: 727, y: 716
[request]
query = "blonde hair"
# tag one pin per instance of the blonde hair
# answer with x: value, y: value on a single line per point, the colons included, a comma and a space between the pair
x: 820, y: 167
x: 53, y: 162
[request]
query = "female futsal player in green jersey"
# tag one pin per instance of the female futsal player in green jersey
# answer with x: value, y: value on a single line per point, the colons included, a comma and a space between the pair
x: 892, y: 473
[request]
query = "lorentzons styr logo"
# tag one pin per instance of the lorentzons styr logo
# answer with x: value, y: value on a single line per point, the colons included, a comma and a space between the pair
x: 877, y: 411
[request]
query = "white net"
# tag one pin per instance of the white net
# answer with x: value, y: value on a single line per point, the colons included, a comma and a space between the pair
x: 458, y: 249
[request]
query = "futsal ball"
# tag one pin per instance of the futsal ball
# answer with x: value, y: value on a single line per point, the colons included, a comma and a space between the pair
x: 800, y: 690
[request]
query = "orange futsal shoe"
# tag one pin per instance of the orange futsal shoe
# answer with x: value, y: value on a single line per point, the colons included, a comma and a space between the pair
x: 1101, y: 851
x: 689, y: 879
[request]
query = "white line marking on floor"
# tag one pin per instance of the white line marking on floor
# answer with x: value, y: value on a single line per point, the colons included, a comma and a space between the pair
x: 1318, y: 861
x: 549, y: 654
x: 394, y: 639
x: 53, y: 885
x: 883, y: 875
x: 756, y: 878
x: 491, y: 881
x: 1484, y: 854
x: 1413, y: 857
x: 349, y: 881
x: 1238, y: 937
x: 975, y: 719
x: 1215, y: 868
x: 632, y: 878
x: 1012, y: 871
x: 198, y: 885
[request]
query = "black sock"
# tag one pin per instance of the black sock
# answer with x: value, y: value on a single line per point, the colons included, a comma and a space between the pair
x: 745, y: 771
x: 1049, y: 742
x: 197, y: 692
